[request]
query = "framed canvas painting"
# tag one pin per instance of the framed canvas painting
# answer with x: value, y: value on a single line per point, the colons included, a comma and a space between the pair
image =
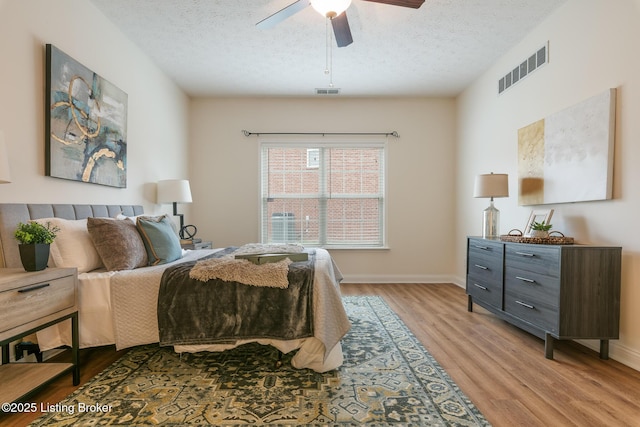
x: 568, y: 156
x: 85, y: 124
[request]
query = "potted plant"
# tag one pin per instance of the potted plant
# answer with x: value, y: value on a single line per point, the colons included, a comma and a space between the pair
x: 540, y: 229
x: 35, y: 240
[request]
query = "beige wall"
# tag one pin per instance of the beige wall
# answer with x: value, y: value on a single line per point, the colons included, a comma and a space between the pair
x: 420, y: 175
x: 157, y: 118
x: 593, y: 46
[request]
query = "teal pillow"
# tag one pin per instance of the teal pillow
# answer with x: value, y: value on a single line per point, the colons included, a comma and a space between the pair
x: 160, y: 239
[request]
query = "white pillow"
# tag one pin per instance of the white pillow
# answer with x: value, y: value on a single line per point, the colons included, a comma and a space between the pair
x: 122, y: 216
x: 73, y: 246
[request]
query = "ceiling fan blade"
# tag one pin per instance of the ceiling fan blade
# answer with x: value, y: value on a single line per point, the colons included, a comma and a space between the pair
x: 341, y: 30
x: 415, y: 4
x: 283, y: 14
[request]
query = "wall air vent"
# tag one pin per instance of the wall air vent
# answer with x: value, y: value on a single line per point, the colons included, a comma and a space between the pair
x: 526, y: 67
x: 327, y: 91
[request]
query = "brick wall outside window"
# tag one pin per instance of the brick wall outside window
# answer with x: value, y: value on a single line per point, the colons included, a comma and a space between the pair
x: 337, y: 201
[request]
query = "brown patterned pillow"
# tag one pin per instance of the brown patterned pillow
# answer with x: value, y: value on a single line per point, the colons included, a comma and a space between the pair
x: 118, y: 243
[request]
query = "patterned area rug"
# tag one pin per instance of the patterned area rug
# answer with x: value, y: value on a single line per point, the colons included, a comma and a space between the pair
x: 388, y: 378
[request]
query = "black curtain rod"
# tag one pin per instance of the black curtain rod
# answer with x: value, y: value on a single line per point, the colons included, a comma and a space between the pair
x: 393, y: 133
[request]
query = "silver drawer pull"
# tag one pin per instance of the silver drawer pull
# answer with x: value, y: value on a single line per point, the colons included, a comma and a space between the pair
x: 33, y: 288
x: 524, y: 279
x: 480, y: 286
x: 525, y: 254
x: 529, y: 306
x: 481, y: 266
x: 484, y: 248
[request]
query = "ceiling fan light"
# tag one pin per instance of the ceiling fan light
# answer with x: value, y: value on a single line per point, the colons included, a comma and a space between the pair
x: 330, y: 8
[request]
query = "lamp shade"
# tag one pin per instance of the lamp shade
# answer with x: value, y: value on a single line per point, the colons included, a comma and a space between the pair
x: 174, y: 191
x: 330, y: 8
x: 491, y: 185
x: 5, y: 174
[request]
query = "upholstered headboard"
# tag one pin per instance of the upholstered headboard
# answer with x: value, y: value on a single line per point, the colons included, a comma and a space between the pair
x: 13, y: 213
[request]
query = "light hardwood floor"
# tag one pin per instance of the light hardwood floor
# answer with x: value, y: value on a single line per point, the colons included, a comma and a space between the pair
x: 500, y: 368
x: 503, y: 369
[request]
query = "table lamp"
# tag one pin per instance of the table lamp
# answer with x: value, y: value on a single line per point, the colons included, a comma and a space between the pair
x: 175, y: 191
x: 490, y: 186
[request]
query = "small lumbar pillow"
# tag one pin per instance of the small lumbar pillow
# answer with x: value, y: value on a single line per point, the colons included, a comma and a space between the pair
x: 73, y: 246
x: 118, y: 243
x: 160, y: 239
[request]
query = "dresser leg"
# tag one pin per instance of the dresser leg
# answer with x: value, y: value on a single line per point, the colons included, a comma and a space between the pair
x: 5, y: 354
x: 469, y: 303
x: 548, y: 346
x: 604, y: 349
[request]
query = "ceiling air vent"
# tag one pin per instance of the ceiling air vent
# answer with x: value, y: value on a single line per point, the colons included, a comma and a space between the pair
x: 327, y: 91
x: 526, y: 67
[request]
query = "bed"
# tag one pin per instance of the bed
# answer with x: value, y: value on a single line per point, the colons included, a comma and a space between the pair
x: 121, y: 307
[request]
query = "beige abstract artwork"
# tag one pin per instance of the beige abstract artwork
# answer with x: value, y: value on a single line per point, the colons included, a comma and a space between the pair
x: 568, y: 156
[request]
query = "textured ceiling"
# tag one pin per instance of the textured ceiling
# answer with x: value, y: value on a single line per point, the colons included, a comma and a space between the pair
x: 213, y: 48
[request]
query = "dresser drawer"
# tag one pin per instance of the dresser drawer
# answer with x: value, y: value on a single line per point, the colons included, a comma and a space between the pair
x: 489, y: 292
x: 485, y: 261
x: 530, y: 310
x: 535, y: 287
x: 536, y: 258
x: 36, y: 300
x: 486, y: 248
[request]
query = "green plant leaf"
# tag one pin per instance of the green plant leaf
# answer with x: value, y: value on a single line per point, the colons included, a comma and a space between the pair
x: 542, y: 226
x: 33, y: 232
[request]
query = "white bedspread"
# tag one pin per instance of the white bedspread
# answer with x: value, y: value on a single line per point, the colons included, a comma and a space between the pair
x: 121, y: 308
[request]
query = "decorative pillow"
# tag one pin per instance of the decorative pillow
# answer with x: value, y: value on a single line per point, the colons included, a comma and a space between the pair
x: 118, y: 243
x: 132, y: 218
x: 73, y: 246
x: 160, y: 239
x: 135, y: 219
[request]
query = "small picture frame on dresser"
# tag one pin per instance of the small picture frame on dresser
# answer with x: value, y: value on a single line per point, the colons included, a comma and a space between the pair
x: 538, y: 215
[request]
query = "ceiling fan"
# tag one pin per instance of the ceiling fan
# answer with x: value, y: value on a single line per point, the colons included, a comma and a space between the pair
x: 335, y: 10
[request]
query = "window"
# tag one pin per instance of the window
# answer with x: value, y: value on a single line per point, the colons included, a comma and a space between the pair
x: 313, y: 157
x: 323, y: 195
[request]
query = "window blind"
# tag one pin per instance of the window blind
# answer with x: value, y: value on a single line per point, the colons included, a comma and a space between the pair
x: 328, y: 195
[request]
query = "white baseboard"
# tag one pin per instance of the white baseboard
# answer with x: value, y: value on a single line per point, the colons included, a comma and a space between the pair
x: 433, y: 278
x: 363, y: 278
x: 460, y: 281
x: 618, y: 352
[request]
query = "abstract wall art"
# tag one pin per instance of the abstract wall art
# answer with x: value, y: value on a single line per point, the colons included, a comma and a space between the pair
x: 85, y: 124
x: 568, y: 156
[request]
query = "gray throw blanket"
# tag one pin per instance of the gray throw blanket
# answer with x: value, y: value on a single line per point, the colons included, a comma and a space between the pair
x: 192, y: 312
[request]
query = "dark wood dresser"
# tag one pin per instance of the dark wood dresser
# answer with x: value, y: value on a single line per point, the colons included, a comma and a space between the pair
x: 551, y: 291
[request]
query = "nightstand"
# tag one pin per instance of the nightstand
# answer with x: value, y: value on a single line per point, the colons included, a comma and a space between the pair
x: 199, y: 245
x: 29, y: 302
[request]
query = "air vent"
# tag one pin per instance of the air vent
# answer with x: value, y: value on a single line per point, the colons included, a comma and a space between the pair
x: 327, y: 91
x: 526, y: 67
